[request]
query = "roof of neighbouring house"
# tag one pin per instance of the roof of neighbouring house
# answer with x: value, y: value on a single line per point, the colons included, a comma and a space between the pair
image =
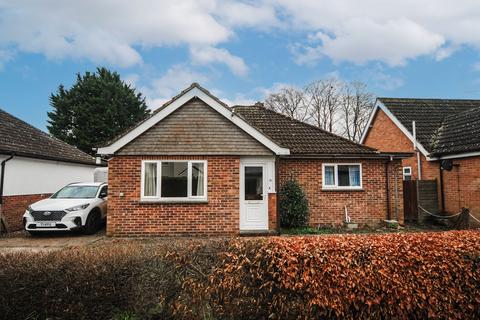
x: 459, y: 133
x: 17, y: 136
x: 301, y: 138
x: 438, y: 129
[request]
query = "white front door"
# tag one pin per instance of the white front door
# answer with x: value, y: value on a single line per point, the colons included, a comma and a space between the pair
x: 253, y: 195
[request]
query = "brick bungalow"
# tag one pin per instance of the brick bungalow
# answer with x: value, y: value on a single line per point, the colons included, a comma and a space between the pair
x: 447, y: 133
x: 33, y: 165
x: 198, y: 166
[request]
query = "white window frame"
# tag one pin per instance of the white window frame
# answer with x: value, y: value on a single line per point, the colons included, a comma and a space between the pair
x: 404, y: 174
x: 336, y: 186
x: 189, y: 198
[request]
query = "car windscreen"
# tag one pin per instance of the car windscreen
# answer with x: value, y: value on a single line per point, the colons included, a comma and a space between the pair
x: 76, y: 192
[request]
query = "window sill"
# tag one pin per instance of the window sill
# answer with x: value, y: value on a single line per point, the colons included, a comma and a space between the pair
x: 342, y: 189
x: 173, y: 201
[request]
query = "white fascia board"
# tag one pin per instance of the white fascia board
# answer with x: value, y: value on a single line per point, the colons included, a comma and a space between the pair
x: 381, y: 106
x: 459, y: 155
x: 369, y: 123
x: 180, y: 101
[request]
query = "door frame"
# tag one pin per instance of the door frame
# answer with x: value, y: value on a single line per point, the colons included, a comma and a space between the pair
x: 268, y: 165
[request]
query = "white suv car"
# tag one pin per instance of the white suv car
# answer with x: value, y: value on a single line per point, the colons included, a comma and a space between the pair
x: 76, y: 206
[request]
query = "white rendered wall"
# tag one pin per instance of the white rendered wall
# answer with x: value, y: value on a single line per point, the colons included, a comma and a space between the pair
x: 34, y: 176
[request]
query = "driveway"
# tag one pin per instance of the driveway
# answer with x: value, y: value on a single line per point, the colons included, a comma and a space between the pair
x: 22, y: 241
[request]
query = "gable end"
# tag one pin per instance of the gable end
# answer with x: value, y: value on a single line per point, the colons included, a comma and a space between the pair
x: 194, y: 129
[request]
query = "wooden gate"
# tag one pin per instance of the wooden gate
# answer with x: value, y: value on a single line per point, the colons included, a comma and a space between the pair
x: 410, y: 202
x: 427, y: 198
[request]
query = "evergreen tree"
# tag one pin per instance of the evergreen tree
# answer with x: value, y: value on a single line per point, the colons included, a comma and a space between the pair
x: 293, y: 205
x: 97, y: 108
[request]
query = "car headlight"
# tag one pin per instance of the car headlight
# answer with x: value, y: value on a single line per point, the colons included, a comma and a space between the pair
x: 29, y: 209
x: 76, y: 208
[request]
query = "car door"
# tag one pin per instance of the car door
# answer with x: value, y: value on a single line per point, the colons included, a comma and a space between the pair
x: 103, y: 200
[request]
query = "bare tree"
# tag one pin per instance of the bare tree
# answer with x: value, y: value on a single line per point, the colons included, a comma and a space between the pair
x: 356, y: 105
x: 288, y: 101
x: 323, y: 98
x: 330, y: 104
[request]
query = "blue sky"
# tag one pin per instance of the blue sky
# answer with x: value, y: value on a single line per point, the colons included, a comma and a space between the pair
x: 240, y: 50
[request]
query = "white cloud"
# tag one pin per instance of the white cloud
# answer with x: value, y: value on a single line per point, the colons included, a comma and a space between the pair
x: 445, y: 52
x: 241, y: 14
x: 175, y: 79
x: 208, y: 55
x: 5, y: 56
x: 109, y: 30
x: 115, y: 31
x: 363, y: 40
x: 385, y: 81
x: 388, y: 31
x: 132, y: 79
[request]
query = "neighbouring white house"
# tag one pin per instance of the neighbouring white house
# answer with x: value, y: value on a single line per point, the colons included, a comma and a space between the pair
x: 33, y: 165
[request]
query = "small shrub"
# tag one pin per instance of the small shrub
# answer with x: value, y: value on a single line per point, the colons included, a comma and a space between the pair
x: 293, y: 205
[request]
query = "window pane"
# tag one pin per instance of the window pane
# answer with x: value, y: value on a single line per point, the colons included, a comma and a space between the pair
x: 198, y: 178
x: 150, y: 180
x: 343, y: 176
x: 354, y: 175
x: 329, y: 175
x: 174, y: 179
x: 253, y: 183
x: 349, y: 176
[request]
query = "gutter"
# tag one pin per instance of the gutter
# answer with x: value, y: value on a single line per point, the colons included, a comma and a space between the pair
x: 2, y: 179
x: 42, y: 157
x: 374, y: 156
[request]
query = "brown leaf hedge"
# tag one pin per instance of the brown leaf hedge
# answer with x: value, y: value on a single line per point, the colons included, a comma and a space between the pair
x: 396, y: 276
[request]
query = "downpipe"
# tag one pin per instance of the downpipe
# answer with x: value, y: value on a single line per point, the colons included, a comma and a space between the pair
x: 3, y: 225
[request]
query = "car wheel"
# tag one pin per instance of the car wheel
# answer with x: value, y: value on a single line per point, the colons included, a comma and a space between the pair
x: 93, y: 222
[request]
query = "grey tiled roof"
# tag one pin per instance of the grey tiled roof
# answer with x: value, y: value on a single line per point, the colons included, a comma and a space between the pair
x: 430, y: 116
x: 299, y: 137
x: 25, y: 140
x: 460, y: 133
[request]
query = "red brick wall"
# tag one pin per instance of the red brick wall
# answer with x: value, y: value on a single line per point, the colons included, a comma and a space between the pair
x: 367, y: 206
x: 384, y: 135
x: 127, y: 216
x: 272, y: 211
x: 462, y: 186
x: 14, y: 207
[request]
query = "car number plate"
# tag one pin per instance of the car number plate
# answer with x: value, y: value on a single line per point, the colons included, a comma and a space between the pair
x: 46, y: 224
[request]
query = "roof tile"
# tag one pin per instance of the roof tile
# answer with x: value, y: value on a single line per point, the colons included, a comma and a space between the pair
x: 301, y: 138
x: 25, y: 140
